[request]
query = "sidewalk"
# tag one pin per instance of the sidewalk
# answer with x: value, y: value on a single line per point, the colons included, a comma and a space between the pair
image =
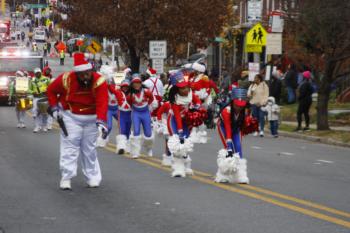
x: 313, y: 126
x: 337, y: 136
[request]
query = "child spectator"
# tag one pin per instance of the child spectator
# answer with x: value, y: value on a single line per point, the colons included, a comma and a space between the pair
x: 272, y: 110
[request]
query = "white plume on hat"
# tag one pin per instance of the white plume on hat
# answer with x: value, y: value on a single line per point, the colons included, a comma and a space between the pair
x: 198, y: 67
x: 107, y: 71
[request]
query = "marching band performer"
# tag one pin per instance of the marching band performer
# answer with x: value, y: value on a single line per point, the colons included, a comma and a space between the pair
x: 124, y: 117
x: 19, y: 94
x: 180, y: 124
x: 80, y: 98
x: 107, y: 71
x: 201, y: 86
x: 38, y: 87
x: 232, y: 125
x: 139, y: 99
x: 161, y: 128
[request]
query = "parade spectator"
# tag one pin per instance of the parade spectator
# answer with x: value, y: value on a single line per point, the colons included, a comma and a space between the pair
x: 272, y: 110
x: 226, y: 82
x: 305, y: 101
x: 291, y: 81
x: 275, y: 87
x: 258, y: 93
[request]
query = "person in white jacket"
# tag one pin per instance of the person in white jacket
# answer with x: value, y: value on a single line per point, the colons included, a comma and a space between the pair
x: 273, y: 112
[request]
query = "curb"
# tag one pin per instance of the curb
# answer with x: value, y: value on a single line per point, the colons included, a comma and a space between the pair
x: 326, y: 141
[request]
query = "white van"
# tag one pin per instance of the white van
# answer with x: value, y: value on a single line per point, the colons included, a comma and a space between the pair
x: 39, y: 35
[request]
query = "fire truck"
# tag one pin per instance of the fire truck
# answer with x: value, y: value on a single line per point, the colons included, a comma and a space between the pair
x: 5, y: 30
x: 13, y: 59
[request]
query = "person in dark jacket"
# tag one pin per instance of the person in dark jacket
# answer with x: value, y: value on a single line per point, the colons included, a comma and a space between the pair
x: 291, y: 81
x: 275, y: 87
x: 305, y: 101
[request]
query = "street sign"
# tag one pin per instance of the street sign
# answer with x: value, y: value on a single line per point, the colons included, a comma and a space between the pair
x: 274, y: 43
x: 254, y: 10
x: 94, y: 47
x: 254, y: 69
x: 253, y: 48
x: 158, y: 65
x: 157, y: 49
x: 257, y: 35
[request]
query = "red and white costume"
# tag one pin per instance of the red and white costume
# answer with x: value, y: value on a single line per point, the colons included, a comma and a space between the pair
x: 201, y: 86
x: 140, y: 102
x: 82, y: 108
x: 161, y: 128
x: 180, y: 130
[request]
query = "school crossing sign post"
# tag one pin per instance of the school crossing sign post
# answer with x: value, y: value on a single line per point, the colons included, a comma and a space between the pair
x: 256, y: 39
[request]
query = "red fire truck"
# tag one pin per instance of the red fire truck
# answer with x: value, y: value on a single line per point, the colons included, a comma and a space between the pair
x: 13, y: 59
x: 5, y: 30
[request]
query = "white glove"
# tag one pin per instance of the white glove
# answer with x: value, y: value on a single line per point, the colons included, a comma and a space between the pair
x: 102, y: 129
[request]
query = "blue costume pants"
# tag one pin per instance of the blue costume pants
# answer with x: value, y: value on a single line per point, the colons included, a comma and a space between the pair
x: 124, y: 123
x: 112, y: 113
x: 142, y: 116
x: 173, y: 127
x: 236, y: 139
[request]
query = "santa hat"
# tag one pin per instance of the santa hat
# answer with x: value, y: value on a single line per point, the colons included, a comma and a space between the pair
x: 80, y: 64
x: 136, y: 78
x: 20, y: 73
x: 151, y: 72
x: 198, y: 67
x: 125, y: 83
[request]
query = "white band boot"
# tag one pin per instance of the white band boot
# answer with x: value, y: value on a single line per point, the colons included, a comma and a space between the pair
x: 121, y: 144
x: 178, y: 167
x: 166, y: 161
x: 188, y: 168
x: 241, y: 176
x: 148, y: 145
x: 227, y: 166
x: 135, y: 144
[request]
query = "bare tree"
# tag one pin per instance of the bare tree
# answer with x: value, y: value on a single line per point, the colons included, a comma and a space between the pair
x: 136, y: 22
x: 319, y: 36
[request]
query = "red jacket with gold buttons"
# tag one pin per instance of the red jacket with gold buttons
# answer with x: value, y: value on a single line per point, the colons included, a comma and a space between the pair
x: 66, y: 90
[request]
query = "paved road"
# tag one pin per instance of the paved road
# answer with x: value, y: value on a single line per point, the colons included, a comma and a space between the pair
x: 296, y: 186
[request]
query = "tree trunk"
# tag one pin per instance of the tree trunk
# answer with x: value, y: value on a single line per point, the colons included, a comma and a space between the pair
x: 134, y: 59
x: 322, y: 108
x: 323, y: 96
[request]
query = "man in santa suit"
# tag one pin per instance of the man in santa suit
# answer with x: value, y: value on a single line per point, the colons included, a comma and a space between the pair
x: 201, y: 87
x: 80, y: 98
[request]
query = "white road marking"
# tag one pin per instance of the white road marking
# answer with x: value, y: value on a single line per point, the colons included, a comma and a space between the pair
x: 256, y: 147
x: 324, y: 161
x: 317, y: 163
x: 286, y: 153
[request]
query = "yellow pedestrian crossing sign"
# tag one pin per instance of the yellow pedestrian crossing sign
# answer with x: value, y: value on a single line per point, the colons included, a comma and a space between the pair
x: 257, y: 35
x: 94, y: 47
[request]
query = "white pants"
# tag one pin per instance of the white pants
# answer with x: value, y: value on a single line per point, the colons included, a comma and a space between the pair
x: 82, y: 136
x: 40, y: 120
x: 20, y: 116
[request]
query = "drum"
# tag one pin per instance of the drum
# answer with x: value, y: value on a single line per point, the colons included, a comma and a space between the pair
x: 43, y: 105
x: 23, y: 103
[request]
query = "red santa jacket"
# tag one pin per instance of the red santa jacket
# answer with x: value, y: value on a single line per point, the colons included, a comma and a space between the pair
x: 66, y: 90
x: 141, y: 99
x: 179, y: 109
